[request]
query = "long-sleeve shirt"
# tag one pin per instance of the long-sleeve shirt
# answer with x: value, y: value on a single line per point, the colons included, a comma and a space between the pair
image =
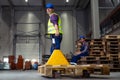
x: 54, y: 19
x: 84, y: 48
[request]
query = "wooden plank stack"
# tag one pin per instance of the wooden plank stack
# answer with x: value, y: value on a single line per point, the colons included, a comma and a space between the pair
x: 113, y: 50
x: 87, y: 60
x: 97, y: 53
x: 97, y: 47
x: 103, y: 51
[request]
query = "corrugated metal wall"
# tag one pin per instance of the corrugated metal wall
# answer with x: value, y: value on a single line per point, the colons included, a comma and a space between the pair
x: 5, y: 32
x: 75, y: 23
x: 27, y: 23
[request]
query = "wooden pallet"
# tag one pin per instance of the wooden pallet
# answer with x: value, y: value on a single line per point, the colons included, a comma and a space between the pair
x: 97, y: 43
x: 114, y: 58
x: 97, y: 40
x: 114, y: 69
x: 115, y: 66
x: 96, y: 50
x: 89, y: 58
x: 103, y: 60
x: 72, y: 70
x: 112, y: 47
x: 97, y: 53
x: 112, y: 42
x: 94, y: 59
x: 111, y: 56
x: 97, y: 47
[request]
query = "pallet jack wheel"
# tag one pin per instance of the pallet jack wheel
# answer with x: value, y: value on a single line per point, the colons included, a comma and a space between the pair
x: 86, y: 74
x: 56, y: 74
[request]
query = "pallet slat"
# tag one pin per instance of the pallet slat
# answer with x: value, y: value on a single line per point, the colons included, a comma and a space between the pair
x: 112, y: 36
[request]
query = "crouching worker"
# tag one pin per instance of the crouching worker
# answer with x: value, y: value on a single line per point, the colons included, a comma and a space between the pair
x: 84, y: 51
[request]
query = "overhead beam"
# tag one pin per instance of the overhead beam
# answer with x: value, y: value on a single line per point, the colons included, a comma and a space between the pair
x: 43, y: 4
x: 30, y: 35
x: 11, y: 3
x: 80, y: 4
x: 0, y: 3
x: 112, y: 2
x: 76, y: 3
x: 86, y: 2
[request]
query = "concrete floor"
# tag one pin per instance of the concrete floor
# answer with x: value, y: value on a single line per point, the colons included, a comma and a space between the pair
x: 34, y: 75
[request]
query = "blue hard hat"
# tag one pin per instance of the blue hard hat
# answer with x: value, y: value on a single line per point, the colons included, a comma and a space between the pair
x: 82, y: 37
x: 49, y: 5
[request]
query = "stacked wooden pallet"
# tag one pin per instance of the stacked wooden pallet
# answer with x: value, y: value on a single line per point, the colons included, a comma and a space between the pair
x: 103, y: 60
x: 94, y: 60
x: 113, y: 50
x: 103, y: 51
x: 97, y: 47
x: 97, y: 53
x: 88, y: 60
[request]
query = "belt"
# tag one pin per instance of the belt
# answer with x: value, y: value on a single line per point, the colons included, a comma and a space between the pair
x: 54, y: 34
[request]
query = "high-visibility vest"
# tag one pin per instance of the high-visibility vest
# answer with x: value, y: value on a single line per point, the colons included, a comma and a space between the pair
x: 51, y: 28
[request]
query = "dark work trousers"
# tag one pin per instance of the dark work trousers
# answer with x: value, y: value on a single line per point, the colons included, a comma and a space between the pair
x: 75, y: 58
x: 56, y: 43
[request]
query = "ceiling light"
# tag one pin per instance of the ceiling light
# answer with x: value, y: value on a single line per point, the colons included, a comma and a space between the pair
x: 67, y: 0
x: 26, y: 0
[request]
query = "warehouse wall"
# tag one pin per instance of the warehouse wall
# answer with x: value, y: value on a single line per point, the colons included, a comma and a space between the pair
x: 83, y: 19
x: 27, y: 19
x: 28, y: 16
x: 81, y: 22
x: 5, y: 43
x: 103, y: 13
x: 115, y: 32
x: 28, y: 23
x: 68, y: 29
x: 23, y: 21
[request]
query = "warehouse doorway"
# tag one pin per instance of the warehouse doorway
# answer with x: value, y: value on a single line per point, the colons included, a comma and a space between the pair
x: 27, y: 41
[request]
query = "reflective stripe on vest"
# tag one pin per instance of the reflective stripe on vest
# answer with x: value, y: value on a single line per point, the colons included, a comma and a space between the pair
x: 51, y: 28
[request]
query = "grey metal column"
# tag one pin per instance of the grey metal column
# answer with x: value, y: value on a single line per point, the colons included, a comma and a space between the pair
x: 12, y: 31
x: 43, y: 29
x: 95, y: 19
x: 0, y: 22
x: 75, y: 31
x: 0, y: 15
x: 40, y: 46
x: 14, y: 45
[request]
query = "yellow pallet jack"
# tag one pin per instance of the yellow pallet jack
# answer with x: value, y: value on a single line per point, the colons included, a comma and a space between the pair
x: 57, y: 65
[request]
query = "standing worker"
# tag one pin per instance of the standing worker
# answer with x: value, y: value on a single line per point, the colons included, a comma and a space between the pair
x: 84, y: 51
x: 54, y: 27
